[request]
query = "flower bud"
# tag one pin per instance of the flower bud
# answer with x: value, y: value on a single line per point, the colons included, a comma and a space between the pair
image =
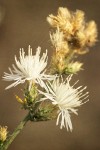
x: 3, y: 133
x: 74, y: 67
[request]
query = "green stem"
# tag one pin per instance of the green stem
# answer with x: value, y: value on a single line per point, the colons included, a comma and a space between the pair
x: 70, y: 56
x: 16, y: 132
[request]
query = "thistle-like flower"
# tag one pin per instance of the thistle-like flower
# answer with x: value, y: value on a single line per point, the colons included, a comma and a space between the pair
x: 66, y: 98
x: 29, y: 67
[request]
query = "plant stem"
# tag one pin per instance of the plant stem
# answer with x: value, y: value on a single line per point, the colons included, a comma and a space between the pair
x: 16, y: 132
x: 70, y: 57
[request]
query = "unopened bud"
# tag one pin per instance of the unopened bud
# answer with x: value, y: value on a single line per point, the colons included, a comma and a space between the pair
x: 3, y: 133
x: 74, y: 67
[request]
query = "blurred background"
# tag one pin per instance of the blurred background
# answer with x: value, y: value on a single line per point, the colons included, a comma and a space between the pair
x: 23, y: 23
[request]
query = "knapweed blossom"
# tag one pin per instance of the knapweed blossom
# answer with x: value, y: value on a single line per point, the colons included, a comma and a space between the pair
x: 66, y: 98
x: 28, y: 67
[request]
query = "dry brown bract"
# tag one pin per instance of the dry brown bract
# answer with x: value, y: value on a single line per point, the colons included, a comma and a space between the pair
x: 72, y: 37
x: 78, y: 33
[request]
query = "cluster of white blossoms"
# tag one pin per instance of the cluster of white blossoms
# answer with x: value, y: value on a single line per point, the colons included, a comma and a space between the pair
x: 48, y: 93
x: 59, y: 92
x: 70, y: 37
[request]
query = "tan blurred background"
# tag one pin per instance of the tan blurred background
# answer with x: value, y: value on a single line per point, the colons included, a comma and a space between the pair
x: 23, y: 22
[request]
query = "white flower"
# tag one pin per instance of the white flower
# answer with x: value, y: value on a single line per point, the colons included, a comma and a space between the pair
x: 28, y: 67
x: 67, y: 98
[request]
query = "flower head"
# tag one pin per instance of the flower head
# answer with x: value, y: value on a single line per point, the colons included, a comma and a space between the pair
x: 78, y: 33
x: 66, y: 98
x: 28, y: 67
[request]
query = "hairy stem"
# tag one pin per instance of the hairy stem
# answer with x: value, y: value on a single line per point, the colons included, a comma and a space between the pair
x: 16, y: 132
